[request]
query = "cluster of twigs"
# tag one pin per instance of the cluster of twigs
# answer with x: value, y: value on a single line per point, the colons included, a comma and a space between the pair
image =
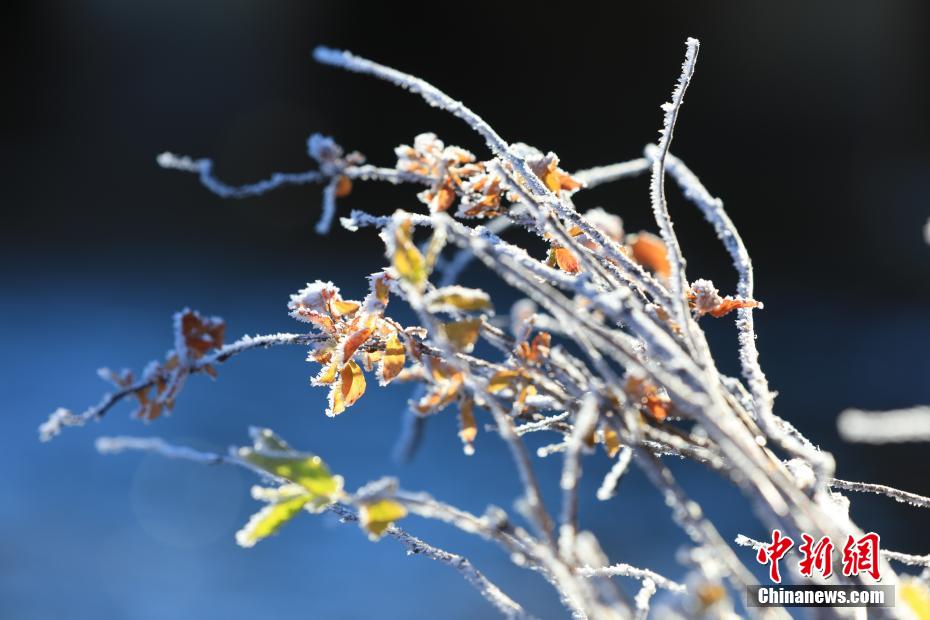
x: 607, y: 353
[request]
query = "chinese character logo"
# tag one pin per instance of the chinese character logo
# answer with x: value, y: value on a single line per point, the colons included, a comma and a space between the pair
x: 773, y: 553
x: 860, y: 556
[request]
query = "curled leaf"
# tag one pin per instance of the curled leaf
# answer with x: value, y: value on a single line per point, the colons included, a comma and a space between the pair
x: 353, y: 341
x: 392, y: 361
x: 375, y: 517
x: 407, y: 259
x: 347, y: 390
x: 566, y: 260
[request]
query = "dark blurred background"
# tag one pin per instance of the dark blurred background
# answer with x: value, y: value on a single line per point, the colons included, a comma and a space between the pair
x: 809, y: 119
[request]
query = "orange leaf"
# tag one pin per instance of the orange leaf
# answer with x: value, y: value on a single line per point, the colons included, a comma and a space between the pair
x: 650, y: 252
x: 728, y: 304
x: 353, y: 341
x: 566, y: 260
x: 343, y: 186
x: 346, y: 390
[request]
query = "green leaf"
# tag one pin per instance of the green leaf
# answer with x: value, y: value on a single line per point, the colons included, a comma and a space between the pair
x: 264, y: 439
x: 307, y: 470
x: 376, y: 517
x: 269, y: 519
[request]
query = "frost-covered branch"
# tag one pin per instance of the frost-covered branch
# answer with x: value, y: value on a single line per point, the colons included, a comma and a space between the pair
x: 64, y: 417
x: 880, y: 489
x: 878, y: 427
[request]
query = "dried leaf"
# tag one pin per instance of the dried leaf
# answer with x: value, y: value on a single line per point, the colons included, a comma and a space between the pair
x: 392, y: 361
x: 375, y: 517
x: 347, y: 390
x: 566, y: 261
x: 503, y: 379
x: 353, y: 341
x: 462, y: 334
x: 649, y: 251
x: 468, y: 428
x: 729, y: 304
x: 343, y: 186
x: 407, y: 259
x: 611, y: 442
x: 196, y: 335
x: 457, y: 298
x: 327, y: 374
x: 341, y: 307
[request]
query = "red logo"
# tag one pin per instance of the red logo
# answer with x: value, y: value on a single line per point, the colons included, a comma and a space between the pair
x: 860, y: 556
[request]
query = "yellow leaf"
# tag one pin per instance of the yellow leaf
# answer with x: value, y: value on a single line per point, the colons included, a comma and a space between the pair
x: 407, y: 259
x: 269, y: 520
x: 468, y: 428
x: 503, y: 379
x: 915, y: 595
x: 306, y: 470
x: 458, y: 298
x: 376, y: 517
x: 340, y: 307
x: 347, y: 389
x: 611, y: 442
x: 392, y: 362
x: 327, y: 375
x: 462, y: 334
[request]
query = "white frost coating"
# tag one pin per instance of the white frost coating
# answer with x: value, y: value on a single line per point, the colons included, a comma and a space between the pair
x: 643, y: 597
x: 204, y: 168
x: 155, y: 445
x: 592, y: 177
x: 912, y: 499
x: 626, y: 570
x: 898, y: 426
x: 608, y: 488
x: 677, y: 278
